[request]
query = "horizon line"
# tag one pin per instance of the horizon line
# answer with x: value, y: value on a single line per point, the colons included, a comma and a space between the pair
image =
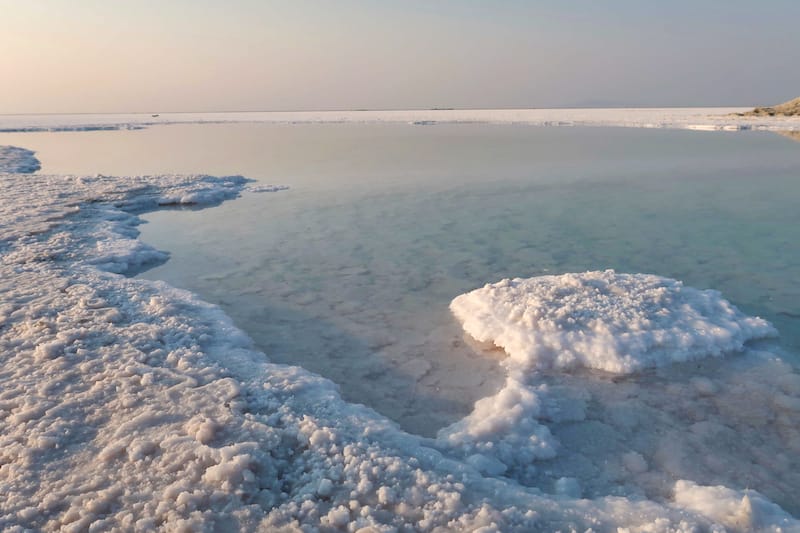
x: 369, y: 110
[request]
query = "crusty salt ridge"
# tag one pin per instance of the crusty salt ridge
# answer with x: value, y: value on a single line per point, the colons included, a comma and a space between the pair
x: 129, y: 404
x: 603, y: 320
x: 15, y: 159
x: 742, y: 510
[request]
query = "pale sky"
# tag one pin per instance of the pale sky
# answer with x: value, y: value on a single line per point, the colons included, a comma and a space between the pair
x: 238, y: 55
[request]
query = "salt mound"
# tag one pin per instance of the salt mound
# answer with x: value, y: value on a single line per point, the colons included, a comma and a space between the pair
x: 740, y: 510
x: 603, y: 320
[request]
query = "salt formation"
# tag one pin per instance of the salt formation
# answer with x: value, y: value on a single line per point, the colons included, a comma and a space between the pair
x: 617, y: 323
x: 127, y: 404
x: 603, y: 320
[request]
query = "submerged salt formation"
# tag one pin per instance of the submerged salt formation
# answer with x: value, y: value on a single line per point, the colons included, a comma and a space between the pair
x: 621, y: 324
x: 129, y: 404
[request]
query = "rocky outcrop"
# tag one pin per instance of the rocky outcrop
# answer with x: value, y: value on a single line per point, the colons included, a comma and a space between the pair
x: 787, y: 109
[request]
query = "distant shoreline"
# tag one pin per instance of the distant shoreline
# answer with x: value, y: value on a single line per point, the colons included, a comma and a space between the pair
x: 786, y: 109
x: 699, y: 119
x: 358, y: 110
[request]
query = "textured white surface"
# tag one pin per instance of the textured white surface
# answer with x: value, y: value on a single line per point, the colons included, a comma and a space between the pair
x: 744, y: 510
x: 604, y: 320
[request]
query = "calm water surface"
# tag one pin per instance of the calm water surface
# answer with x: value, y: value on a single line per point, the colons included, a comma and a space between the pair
x: 349, y: 273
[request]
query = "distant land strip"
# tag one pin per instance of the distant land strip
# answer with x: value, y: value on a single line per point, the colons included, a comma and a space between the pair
x: 786, y: 109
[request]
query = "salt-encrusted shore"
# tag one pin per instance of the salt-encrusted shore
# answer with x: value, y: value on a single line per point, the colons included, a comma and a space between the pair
x: 127, y: 404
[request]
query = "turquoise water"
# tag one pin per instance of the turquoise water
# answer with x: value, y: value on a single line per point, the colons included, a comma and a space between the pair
x: 350, y: 272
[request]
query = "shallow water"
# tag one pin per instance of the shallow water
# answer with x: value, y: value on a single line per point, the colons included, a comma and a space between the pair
x: 350, y: 272
x: 384, y: 224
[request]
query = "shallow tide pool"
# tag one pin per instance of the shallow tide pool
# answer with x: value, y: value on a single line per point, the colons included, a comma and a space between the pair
x: 350, y: 271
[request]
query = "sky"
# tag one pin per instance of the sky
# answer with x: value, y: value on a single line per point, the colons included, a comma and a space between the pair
x: 80, y: 56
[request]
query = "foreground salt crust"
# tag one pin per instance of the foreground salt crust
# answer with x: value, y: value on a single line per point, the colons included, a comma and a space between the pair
x: 129, y: 404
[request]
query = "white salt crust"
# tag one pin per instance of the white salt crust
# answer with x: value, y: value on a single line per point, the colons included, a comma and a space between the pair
x: 607, y: 321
